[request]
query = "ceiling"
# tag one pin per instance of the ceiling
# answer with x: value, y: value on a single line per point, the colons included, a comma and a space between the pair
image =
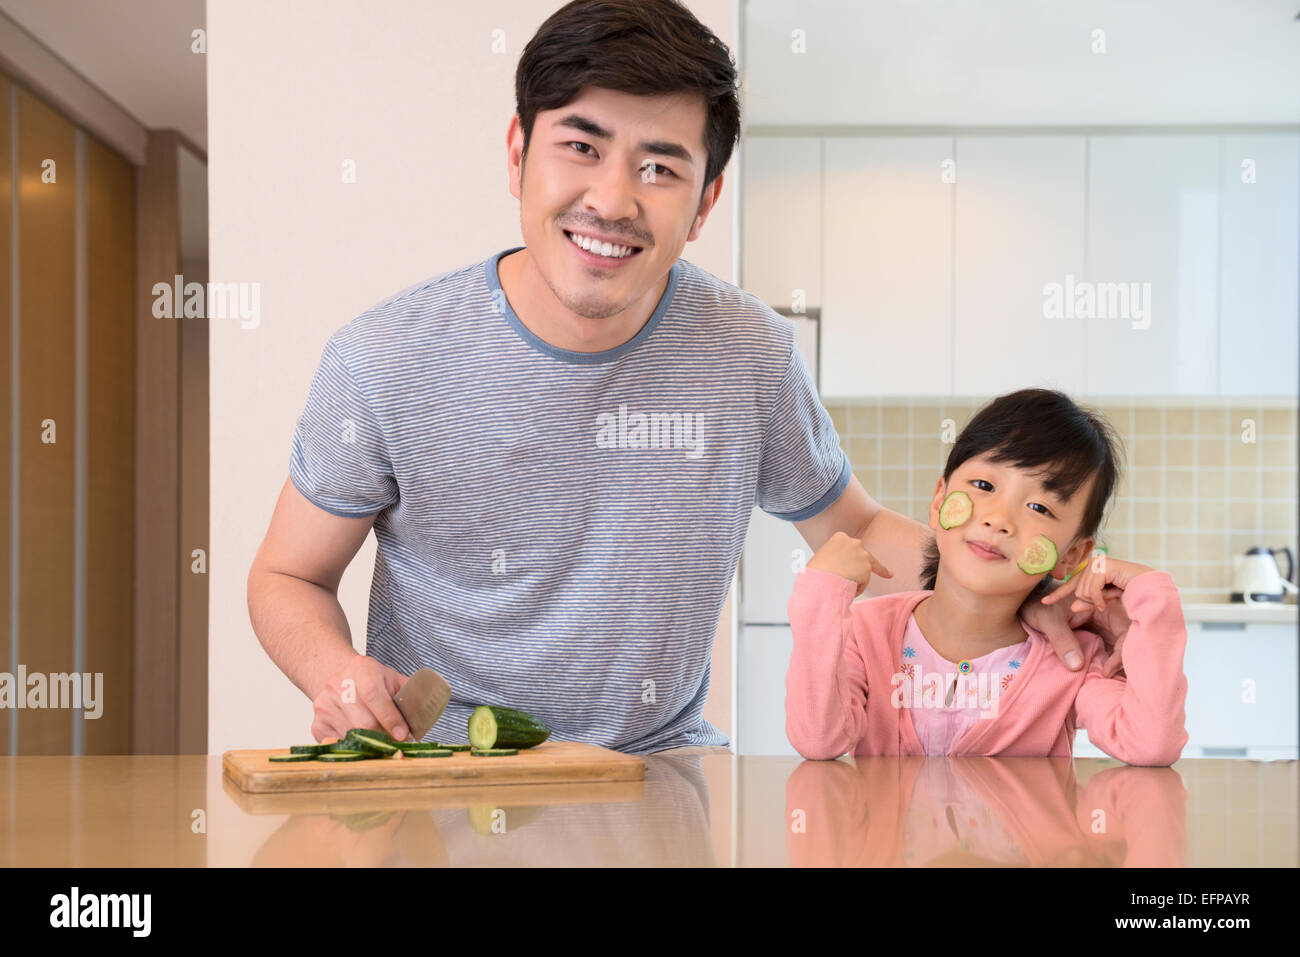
x: 137, y: 52
x: 1021, y: 62
x: 911, y: 62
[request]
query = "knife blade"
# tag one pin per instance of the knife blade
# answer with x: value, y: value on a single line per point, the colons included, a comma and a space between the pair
x: 422, y: 700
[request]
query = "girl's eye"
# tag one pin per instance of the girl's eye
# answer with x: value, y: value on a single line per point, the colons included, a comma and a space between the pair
x: 980, y: 483
x: 1045, y: 510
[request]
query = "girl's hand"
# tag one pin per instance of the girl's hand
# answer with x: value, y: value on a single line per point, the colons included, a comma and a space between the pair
x: 845, y: 556
x: 1098, y: 589
x: 1088, y: 585
x: 1112, y: 626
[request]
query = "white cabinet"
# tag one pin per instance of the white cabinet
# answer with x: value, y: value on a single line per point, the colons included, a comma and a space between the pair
x: 1019, y: 227
x: 764, y: 657
x: 1259, y: 306
x: 1175, y: 276
x: 1153, y: 208
x: 1241, y: 688
x: 1241, y: 692
x: 782, y: 219
x: 887, y: 280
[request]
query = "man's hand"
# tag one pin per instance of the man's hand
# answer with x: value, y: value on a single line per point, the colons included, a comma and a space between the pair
x: 1057, y: 624
x: 359, y: 695
x: 1111, y: 624
x: 845, y: 556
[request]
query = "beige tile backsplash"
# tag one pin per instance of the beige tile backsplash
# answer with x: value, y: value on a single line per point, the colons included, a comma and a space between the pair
x: 1195, y: 491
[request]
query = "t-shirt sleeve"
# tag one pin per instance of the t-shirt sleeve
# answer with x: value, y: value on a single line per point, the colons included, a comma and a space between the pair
x: 340, y: 460
x: 802, y: 470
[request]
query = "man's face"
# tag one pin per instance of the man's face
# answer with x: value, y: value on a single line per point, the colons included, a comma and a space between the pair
x: 618, y: 167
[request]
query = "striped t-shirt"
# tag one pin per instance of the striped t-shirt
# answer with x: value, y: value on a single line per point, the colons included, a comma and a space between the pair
x: 557, y: 530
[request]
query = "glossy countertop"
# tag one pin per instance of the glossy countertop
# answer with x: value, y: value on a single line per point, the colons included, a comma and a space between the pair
x: 712, y: 810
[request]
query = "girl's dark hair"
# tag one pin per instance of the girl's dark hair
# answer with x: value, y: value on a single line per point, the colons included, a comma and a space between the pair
x: 1044, y: 431
x: 643, y: 47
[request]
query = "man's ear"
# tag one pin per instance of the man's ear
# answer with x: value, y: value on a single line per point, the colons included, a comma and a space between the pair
x: 515, y: 156
x: 707, y: 201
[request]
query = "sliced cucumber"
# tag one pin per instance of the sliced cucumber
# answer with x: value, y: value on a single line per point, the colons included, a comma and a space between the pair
x: 1039, y: 556
x: 383, y: 736
x: 348, y: 745
x: 337, y: 756
x: 428, y: 753
x: 454, y: 747
x: 310, y: 748
x: 956, y: 509
x: 291, y: 758
x: 408, y: 746
x: 370, y: 740
x: 492, y: 752
x: 492, y: 726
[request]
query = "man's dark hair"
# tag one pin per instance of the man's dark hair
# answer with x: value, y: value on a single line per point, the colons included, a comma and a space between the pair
x: 643, y: 47
x: 1043, y: 431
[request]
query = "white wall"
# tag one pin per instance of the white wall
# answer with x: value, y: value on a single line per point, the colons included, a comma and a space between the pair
x: 412, y: 92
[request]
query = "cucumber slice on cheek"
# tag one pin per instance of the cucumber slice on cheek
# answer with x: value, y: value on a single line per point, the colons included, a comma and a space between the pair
x: 1039, y: 556
x: 956, y: 509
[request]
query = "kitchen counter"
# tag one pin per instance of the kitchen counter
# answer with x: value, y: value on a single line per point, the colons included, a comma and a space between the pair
x: 691, y: 810
x: 1272, y: 613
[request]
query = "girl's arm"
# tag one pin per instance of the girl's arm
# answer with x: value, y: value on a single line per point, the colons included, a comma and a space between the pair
x: 826, y: 683
x: 1142, y: 720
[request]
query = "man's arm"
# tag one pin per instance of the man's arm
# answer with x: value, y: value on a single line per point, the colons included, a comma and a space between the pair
x: 897, y: 541
x: 294, y: 607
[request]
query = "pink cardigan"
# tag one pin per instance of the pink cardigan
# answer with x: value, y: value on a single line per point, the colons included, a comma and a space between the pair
x: 843, y: 648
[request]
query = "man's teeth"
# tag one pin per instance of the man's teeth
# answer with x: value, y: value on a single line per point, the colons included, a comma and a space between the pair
x: 612, y: 250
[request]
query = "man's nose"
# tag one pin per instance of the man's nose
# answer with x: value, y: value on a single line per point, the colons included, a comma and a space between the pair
x: 611, y: 196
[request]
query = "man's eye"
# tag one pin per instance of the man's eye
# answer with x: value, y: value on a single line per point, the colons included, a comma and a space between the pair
x: 576, y: 143
x: 657, y: 166
x: 980, y: 483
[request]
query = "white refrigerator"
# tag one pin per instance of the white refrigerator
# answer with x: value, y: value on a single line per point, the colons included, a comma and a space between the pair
x: 773, y: 552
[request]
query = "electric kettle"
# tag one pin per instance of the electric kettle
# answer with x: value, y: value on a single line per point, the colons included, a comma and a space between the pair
x: 1256, y: 578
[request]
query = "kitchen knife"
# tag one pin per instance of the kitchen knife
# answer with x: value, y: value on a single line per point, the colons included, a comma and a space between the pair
x: 422, y: 700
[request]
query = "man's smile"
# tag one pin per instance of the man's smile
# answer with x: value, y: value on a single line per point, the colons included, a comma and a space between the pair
x: 600, y: 250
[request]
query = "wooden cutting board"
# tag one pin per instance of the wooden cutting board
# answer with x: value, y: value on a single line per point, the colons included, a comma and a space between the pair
x: 549, y: 762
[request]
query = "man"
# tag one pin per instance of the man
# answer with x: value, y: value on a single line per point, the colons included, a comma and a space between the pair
x: 559, y: 447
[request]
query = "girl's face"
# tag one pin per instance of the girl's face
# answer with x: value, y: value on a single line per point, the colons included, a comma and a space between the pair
x: 1010, y: 509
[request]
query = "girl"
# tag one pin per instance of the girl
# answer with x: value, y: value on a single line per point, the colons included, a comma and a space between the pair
x: 952, y: 670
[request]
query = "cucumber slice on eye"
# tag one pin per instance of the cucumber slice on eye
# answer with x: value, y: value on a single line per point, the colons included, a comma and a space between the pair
x: 956, y: 508
x: 1039, y: 556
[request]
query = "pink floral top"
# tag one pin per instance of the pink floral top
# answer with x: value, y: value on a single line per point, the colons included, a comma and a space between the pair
x: 940, y: 719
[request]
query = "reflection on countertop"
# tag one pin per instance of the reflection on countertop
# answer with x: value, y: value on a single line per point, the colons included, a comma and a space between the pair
x: 690, y: 811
